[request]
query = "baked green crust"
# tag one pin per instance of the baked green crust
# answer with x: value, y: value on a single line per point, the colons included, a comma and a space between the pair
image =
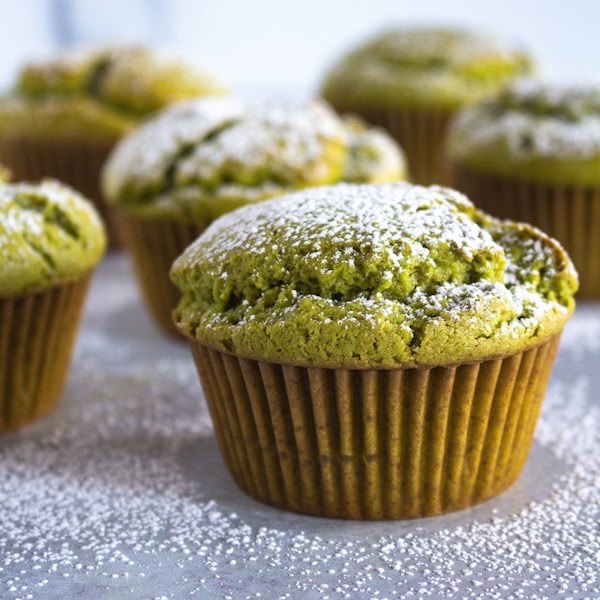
x: 533, y: 131
x: 423, y: 67
x: 49, y: 234
x: 198, y: 160
x: 358, y: 276
x: 101, y: 92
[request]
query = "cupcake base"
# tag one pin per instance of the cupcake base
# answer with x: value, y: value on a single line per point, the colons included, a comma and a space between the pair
x: 422, y: 135
x: 76, y: 162
x: 36, y: 343
x: 153, y: 247
x: 571, y: 214
x: 374, y: 443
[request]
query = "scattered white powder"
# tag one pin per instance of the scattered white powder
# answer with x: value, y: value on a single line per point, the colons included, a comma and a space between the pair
x: 398, y: 221
x: 42, y: 226
x: 120, y: 493
x: 21, y: 216
x: 533, y: 120
x: 284, y: 139
x: 422, y: 257
x: 181, y: 125
x: 584, y: 338
x: 526, y: 137
x: 253, y: 149
x: 224, y: 136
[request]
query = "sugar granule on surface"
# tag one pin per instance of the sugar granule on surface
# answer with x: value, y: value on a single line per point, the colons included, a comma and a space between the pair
x: 121, y: 493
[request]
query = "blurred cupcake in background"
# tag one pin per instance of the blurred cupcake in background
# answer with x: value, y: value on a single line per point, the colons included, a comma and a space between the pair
x: 50, y: 241
x: 171, y: 177
x: 533, y: 154
x: 65, y: 113
x: 411, y: 80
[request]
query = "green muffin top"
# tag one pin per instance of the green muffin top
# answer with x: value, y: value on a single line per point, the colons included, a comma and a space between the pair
x: 200, y: 159
x: 381, y: 275
x: 414, y: 67
x: 49, y: 234
x: 533, y: 131
x: 100, y: 91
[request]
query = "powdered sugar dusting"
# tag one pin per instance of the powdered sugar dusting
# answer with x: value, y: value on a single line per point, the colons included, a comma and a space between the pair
x: 377, y: 217
x: 223, y: 148
x: 121, y: 493
x: 19, y: 213
x: 140, y: 159
x: 409, y: 261
x: 48, y: 233
x: 534, y: 120
x: 285, y: 140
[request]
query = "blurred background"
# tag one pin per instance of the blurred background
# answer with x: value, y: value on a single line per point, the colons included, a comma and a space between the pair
x: 279, y: 47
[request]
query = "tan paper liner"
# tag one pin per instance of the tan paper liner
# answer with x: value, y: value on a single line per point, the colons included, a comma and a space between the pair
x: 76, y: 162
x: 374, y: 444
x: 422, y: 135
x: 37, y: 332
x: 571, y: 214
x: 153, y: 247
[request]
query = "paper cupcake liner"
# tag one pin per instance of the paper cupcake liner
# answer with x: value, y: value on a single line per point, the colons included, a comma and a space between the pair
x: 153, y: 247
x: 421, y: 133
x: 37, y: 332
x: 374, y: 443
x: 76, y: 162
x: 571, y: 214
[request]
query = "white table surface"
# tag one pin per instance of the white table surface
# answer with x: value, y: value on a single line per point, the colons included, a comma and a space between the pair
x: 121, y: 492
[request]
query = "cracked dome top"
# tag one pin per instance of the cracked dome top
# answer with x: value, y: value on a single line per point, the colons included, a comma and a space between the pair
x: 372, y: 276
x: 199, y: 159
x: 419, y: 66
x: 48, y: 234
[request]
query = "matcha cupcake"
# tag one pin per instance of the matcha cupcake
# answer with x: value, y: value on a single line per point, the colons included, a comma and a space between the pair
x: 198, y: 160
x: 50, y: 241
x: 533, y: 154
x: 412, y: 80
x: 64, y: 114
x: 373, y: 351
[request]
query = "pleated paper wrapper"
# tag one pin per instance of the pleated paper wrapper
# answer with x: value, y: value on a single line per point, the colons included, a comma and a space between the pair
x: 420, y: 132
x: 374, y: 443
x: 76, y: 162
x: 153, y: 246
x: 37, y: 332
x: 571, y: 214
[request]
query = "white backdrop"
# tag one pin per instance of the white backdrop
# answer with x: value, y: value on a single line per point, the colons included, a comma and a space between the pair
x: 278, y: 46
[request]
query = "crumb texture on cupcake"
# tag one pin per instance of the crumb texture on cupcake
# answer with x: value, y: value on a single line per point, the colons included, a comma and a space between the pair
x: 99, y: 91
x: 200, y: 159
x: 372, y: 276
x: 443, y: 68
x: 49, y: 234
x: 533, y: 131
